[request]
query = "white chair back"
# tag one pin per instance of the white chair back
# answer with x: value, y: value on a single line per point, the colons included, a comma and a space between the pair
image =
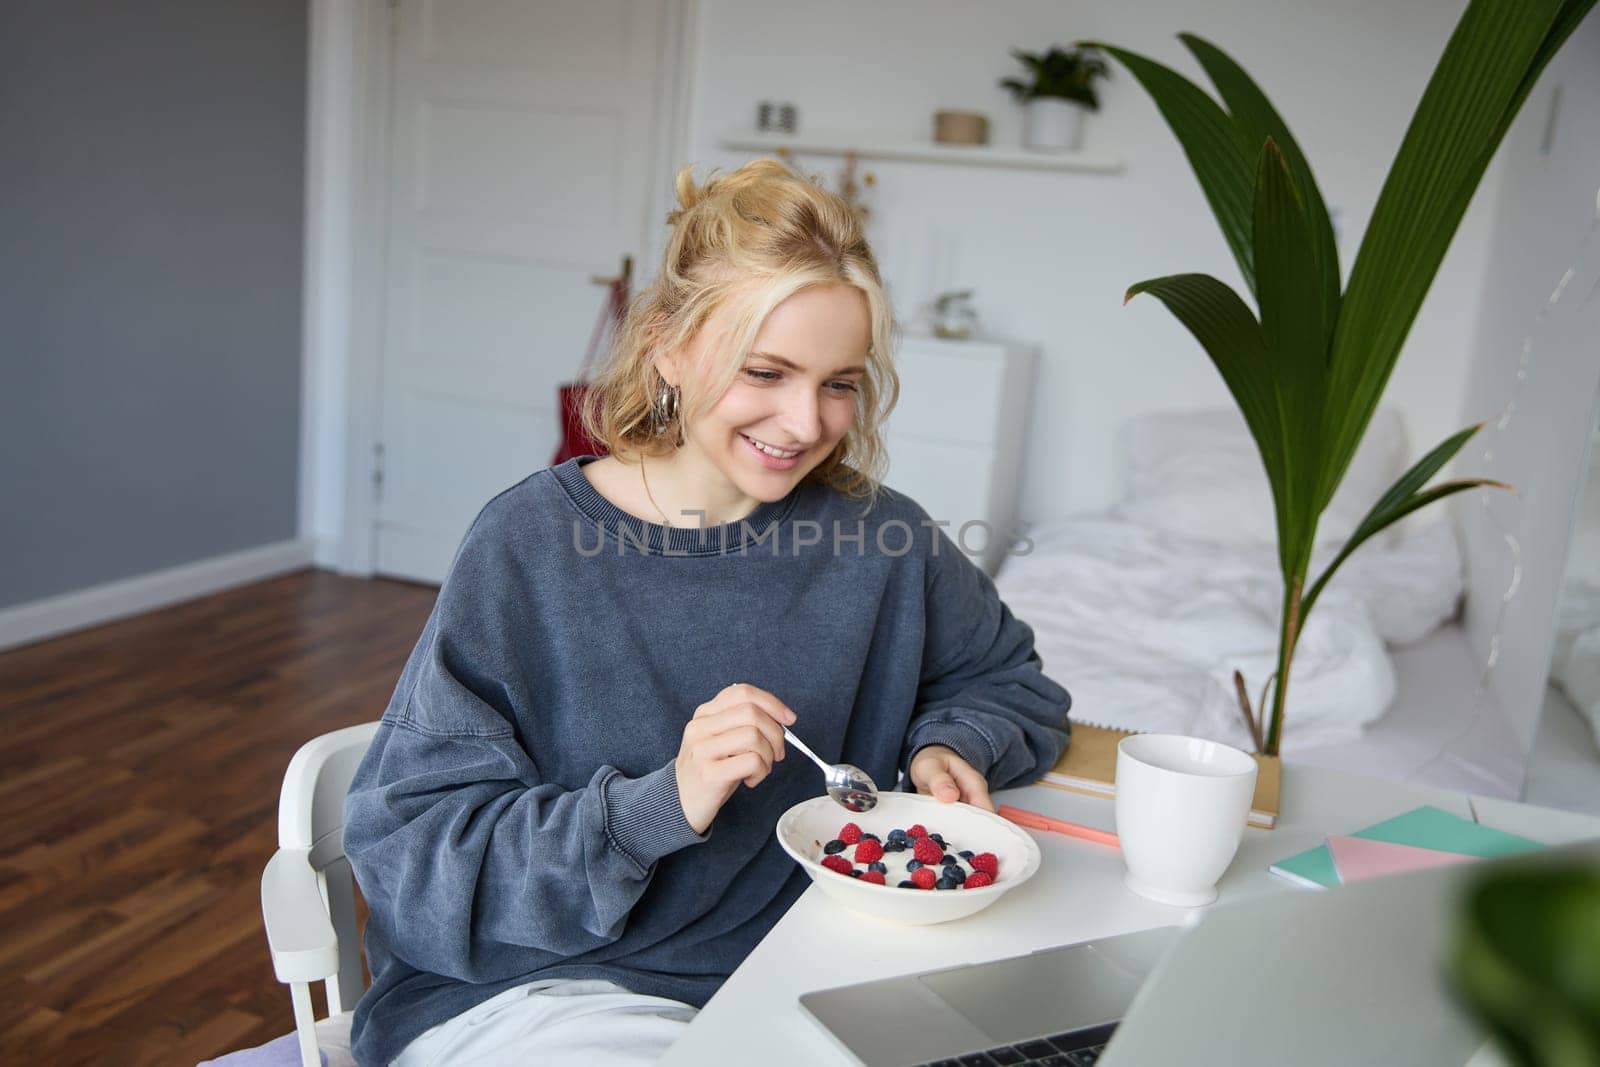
x: 307, y: 896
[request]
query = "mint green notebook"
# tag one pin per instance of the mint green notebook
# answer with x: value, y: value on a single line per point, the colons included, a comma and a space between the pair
x: 1425, y: 827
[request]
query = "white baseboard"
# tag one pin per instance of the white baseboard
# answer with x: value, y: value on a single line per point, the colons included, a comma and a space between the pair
x: 324, y: 552
x: 39, y: 619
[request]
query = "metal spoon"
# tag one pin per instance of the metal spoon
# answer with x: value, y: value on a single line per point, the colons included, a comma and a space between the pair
x: 848, y: 785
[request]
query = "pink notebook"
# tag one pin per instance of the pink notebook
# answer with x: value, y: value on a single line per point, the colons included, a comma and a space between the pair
x: 1357, y: 859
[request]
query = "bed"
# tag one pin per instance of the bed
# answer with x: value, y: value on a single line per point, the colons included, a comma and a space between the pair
x: 1145, y: 610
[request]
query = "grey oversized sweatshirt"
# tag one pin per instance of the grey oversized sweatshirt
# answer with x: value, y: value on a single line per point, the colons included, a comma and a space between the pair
x: 517, y: 815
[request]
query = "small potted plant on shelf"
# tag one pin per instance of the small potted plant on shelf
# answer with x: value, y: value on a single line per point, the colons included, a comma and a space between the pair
x: 1059, y: 89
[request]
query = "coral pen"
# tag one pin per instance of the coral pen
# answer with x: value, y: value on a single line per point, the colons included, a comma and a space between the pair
x: 1034, y: 821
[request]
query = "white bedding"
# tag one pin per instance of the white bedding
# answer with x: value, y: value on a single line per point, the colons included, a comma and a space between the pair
x: 1146, y: 626
x: 1575, y: 661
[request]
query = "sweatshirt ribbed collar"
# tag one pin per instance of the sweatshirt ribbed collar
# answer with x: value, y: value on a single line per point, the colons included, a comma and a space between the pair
x: 668, y: 540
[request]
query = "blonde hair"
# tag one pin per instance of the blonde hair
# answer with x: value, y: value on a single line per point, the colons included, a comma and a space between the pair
x: 757, y: 235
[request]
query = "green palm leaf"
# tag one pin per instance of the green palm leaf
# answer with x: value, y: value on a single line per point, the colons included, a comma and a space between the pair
x: 1227, y: 329
x: 1572, y: 13
x: 1295, y: 329
x: 1402, y: 498
x: 1254, y: 114
x: 1488, y: 67
x: 1222, y: 157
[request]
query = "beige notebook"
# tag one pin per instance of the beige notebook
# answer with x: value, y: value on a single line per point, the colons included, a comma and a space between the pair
x: 1089, y: 765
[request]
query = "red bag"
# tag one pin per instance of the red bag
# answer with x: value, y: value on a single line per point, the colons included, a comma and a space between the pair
x: 574, y: 395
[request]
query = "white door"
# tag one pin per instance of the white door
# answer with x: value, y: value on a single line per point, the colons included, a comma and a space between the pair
x: 522, y: 138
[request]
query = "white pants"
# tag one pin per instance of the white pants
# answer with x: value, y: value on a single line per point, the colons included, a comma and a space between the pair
x: 557, y: 1021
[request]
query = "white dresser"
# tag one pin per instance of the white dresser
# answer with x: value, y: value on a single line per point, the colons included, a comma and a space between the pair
x: 955, y: 438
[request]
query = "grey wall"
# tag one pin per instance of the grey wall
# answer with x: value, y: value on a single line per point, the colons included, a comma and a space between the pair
x: 151, y: 205
x: 1544, y: 217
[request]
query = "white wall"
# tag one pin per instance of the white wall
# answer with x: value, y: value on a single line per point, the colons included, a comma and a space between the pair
x: 1545, y: 214
x: 1051, y: 254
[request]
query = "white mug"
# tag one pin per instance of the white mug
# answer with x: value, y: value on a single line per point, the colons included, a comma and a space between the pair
x: 1181, y: 804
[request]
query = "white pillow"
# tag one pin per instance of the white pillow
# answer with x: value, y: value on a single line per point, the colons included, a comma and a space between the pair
x: 1198, y: 474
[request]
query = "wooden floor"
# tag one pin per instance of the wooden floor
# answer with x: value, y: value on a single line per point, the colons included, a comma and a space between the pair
x: 139, y: 773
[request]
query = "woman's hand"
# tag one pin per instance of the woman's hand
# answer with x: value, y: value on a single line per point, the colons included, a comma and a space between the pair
x: 940, y: 772
x: 734, y: 737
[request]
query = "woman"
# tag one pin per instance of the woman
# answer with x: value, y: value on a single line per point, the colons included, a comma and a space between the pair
x: 564, y: 826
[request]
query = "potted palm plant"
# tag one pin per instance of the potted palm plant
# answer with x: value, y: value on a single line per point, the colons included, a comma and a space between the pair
x: 1308, y: 364
x: 1058, y: 91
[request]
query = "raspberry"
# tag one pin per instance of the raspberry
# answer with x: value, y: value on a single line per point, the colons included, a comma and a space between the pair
x: 924, y: 879
x: 917, y: 830
x: 987, y: 862
x: 869, y: 852
x: 977, y: 880
x: 927, y: 851
x: 837, y: 863
x: 849, y: 833
x: 874, y: 877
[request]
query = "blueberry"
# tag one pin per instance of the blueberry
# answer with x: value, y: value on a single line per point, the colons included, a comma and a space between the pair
x: 937, y: 838
x: 947, y: 860
x: 879, y: 867
x: 871, y: 837
x: 912, y: 865
x: 907, y: 885
x: 895, y: 846
x: 897, y: 837
x: 946, y: 883
x: 834, y: 846
x: 855, y: 873
x: 958, y: 875
x: 966, y: 854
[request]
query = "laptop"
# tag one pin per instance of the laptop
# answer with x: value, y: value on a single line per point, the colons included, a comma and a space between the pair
x: 1057, y: 1006
x: 1353, y: 975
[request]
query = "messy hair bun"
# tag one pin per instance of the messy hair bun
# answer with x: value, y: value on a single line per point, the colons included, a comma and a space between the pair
x: 755, y: 236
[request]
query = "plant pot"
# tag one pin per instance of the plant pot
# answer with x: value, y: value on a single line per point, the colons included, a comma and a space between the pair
x: 1051, y: 124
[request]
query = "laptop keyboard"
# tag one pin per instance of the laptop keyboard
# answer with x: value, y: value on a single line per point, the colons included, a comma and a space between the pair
x: 1077, y: 1049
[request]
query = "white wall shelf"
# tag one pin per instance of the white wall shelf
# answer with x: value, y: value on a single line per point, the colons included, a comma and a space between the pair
x: 867, y: 145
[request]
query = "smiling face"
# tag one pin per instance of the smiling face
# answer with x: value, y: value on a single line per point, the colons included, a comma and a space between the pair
x: 793, y: 399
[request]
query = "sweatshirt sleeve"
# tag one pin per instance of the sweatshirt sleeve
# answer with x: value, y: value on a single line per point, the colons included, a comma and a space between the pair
x: 457, y: 843
x: 983, y: 691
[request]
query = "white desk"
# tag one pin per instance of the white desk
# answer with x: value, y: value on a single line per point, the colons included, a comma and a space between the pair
x: 1076, y: 895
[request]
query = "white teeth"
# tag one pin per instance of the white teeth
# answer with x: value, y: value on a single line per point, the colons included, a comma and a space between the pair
x: 769, y: 450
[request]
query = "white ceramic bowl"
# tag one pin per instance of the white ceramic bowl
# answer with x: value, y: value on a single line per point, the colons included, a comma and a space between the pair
x: 806, y: 827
